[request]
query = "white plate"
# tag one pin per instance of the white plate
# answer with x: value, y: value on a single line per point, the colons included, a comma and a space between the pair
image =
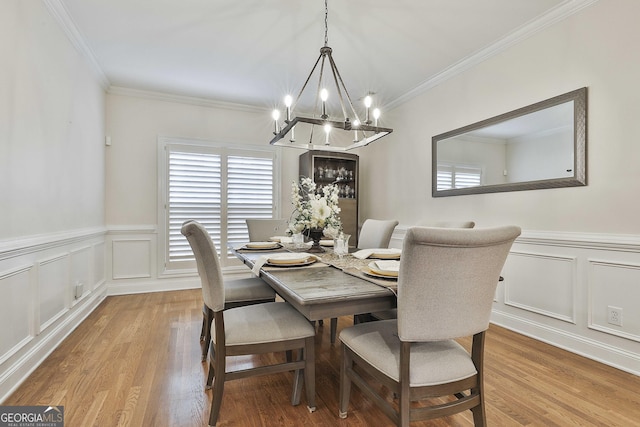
x: 308, y: 261
x: 366, y: 270
x: 390, y: 272
x: 262, y: 245
x: 289, y: 258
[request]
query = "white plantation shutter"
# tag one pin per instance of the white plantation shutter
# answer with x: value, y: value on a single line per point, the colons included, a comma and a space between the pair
x: 249, y: 194
x: 217, y: 186
x: 451, y: 176
x: 194, y: 193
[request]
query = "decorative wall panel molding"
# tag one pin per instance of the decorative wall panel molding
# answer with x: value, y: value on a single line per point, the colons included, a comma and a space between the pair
x: 131, y: 258
x: 52, y: 290
x: 616, y: 285
x: 37, y: 284
x: 15, y: 283
x: 542, y: 284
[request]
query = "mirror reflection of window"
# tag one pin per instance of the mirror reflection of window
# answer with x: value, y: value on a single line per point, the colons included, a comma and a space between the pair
x: 458, y: 176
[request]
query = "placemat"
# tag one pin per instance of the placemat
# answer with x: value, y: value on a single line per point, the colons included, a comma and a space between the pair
x: 390, y: 284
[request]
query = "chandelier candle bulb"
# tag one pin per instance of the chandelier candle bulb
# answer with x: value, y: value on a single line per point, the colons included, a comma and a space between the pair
x: 324, y: 95
x: 356, y: 123
x: 276, y: 116
x: 376, y: 116
x: 367, y: 105
x: 288, y: 100
x: 327, y: 130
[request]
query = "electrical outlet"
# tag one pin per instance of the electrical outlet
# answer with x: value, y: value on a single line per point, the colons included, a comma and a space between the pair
x: 79, y: 290
x: 614, y: 315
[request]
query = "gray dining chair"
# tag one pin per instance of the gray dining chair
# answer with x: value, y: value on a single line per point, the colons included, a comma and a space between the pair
x: 261, y: 229
x: 238, y: 293
x: 376, y: 233
x: 248, y: 330
x: 446, y: 286
x: 393, y: 313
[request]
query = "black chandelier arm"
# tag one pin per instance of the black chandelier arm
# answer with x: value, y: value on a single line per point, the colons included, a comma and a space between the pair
x: 336, y: 74
x: 306, y: 82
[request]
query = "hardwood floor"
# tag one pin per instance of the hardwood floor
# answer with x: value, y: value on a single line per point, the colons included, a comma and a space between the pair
x: 135, y: 361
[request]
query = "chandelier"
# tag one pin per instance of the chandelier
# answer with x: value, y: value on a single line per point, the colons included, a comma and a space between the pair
x: 299, y: 131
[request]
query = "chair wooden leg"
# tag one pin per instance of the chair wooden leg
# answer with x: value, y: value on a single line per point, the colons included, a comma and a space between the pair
x: 310, y: 373
x: 345, y: 382
x: 298, y: 378
x: 205, y: 335
x: 218, y: 389
x: 334, y: 328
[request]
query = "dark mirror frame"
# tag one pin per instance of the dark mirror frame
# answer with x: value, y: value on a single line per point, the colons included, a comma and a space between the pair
x: 579, y: 177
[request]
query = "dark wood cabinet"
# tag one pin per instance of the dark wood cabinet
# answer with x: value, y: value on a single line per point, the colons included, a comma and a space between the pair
x: 328, y: 167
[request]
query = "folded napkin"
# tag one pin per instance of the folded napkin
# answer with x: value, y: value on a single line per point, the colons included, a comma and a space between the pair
x: 263, y: 259
x: 390, y: 265
x: 366, y: 253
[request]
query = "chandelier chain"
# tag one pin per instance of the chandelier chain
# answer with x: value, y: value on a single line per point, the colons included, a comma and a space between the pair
x: 326, y: 23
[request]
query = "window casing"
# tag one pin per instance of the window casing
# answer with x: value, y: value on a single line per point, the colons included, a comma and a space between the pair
x: 219, y: 186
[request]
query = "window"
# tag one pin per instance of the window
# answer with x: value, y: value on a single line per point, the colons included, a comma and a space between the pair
x: 218, y: 186
x: 458, y: 176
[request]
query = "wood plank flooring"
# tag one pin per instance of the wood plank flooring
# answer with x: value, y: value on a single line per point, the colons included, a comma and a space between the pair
x: 135, y: 362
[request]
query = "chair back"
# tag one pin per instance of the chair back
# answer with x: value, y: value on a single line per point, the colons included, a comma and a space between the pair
x: 449, y: 224
x: 376, y: 233
x: 207, y: 262
x: 261, y: 229
x: 448, y: 279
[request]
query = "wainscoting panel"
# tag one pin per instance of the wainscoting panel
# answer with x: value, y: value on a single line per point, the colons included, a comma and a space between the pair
x: 542, y: 284
x: 38, y: 275
x: 15, y: 288
x: 53, y: 290
x: 80, y: 271
x: 131, y: 258
x: 616, y: 285
x: 99, y: 264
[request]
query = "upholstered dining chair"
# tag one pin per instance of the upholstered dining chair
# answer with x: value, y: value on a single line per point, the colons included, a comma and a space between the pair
x: 376, y: 233
x: 238, y: 293
x: 260, y: 229
x: 393, y: 313
x: 253, y: 329
x: 446, y: 287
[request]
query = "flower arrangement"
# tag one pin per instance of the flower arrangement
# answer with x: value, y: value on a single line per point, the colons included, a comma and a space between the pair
x: 313, y: 211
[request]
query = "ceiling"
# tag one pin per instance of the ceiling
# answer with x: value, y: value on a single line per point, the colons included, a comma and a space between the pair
x: 253, y: 52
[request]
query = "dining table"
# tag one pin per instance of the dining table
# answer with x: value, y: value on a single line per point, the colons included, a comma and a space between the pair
x: 329, y: 287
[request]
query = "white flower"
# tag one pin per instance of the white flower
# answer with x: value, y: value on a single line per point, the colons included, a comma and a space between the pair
x: 313, y: 210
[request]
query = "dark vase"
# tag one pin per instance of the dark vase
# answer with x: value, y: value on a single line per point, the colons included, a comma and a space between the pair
x: 315, y: 234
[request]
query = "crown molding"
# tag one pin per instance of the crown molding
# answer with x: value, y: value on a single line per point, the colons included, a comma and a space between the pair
x: 60, y: 14
x: 190, y: 100
x: 525, y: 31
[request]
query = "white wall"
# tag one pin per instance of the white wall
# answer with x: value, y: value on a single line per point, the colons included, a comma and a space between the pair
x: 580, y: 249
x: 135, y: 120
x: 51, y: 188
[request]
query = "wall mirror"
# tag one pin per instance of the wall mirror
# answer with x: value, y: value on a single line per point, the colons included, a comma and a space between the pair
x: 539, y: 146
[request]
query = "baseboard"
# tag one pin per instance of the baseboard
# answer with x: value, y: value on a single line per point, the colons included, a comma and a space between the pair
x: 592, y: 349
x: 165, y: 284
x: 15, y: 374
